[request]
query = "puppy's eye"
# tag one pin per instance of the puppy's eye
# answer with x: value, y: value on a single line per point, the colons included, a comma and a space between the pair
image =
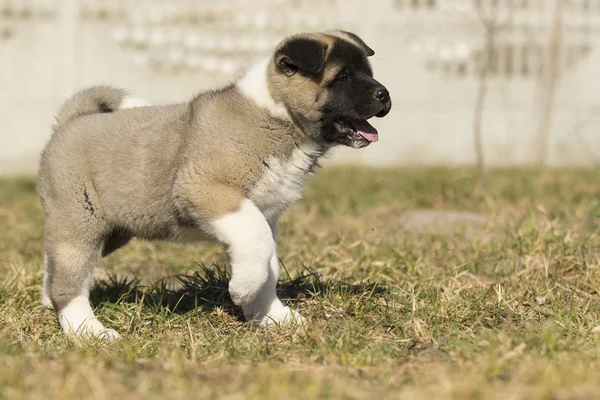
x: 343, y: 77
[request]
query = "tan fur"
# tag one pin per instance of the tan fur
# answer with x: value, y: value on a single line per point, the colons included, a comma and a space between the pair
x: 90, y: 101
x: 350, y: 38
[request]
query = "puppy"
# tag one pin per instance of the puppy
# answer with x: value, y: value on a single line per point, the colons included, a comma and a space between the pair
x: 223, y: 167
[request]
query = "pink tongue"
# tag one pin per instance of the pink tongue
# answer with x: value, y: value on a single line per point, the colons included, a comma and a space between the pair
x: 365, y: 129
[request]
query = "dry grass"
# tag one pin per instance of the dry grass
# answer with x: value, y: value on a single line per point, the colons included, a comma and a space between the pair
x: 413, y: 286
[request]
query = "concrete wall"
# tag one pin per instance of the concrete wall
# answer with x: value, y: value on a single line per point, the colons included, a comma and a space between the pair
x: 427, y: 54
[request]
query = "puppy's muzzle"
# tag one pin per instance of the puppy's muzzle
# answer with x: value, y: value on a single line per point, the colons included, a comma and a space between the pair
x: 383, y: 96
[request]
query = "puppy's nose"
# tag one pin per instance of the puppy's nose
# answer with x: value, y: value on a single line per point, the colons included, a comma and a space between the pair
x: 382, y: 94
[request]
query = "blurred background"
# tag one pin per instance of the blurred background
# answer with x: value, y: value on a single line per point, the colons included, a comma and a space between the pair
x: 494, y: 82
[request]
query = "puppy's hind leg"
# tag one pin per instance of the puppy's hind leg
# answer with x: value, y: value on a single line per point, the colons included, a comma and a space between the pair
x: 44, y: 298
x: 72, y: 255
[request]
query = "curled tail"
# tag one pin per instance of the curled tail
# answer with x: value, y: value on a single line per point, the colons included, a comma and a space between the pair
x: 95, y: 100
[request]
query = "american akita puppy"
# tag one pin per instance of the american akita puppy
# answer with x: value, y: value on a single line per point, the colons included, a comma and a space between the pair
x: 223, y: 166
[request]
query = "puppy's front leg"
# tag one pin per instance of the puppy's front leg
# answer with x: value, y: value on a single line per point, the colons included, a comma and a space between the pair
x: 266, y: 308
x: 250, y: 246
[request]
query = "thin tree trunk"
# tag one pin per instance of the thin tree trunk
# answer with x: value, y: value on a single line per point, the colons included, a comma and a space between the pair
x: 550, y: 71
x: 479, y: 107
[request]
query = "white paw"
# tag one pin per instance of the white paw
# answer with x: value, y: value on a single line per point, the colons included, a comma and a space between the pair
x: 278, y: 314
x: 92, y: 329
x: 284, y: 316
x: 243, y: 291
x: 109, y: 334
x: 78, y: 320
x: 44, y: 299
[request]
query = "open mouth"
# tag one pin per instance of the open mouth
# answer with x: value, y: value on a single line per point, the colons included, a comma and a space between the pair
x: 355, y: 129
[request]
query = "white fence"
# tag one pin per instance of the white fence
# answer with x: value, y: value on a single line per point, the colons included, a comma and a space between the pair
x: 429, y: 53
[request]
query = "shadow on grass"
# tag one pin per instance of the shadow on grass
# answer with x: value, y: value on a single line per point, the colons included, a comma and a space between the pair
x: 207, y: 289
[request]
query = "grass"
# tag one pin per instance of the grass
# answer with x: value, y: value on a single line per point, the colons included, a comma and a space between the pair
x: 414, y: 287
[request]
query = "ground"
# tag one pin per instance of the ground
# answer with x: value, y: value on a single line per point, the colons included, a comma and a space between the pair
x: 415, y: 285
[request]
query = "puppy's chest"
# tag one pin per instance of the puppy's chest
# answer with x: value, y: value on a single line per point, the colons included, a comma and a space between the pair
x: 282, y: 181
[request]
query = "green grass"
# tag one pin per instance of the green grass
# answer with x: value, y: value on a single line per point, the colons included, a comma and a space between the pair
x: 414, y: 287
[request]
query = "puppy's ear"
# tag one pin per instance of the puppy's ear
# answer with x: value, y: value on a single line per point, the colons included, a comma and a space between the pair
x: 357, y: 41
x: 301, y: 53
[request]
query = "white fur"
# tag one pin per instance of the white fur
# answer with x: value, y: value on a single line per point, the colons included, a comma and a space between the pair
x: 282, y: 182
x: 133, y: 102
x: 266, y: 308
x: 44, y: 299
x: 250, y: 244
x: 255, y: 86
x: 77, y: 318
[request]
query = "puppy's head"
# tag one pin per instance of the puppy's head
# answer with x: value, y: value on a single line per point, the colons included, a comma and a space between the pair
x: 327, y: 85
